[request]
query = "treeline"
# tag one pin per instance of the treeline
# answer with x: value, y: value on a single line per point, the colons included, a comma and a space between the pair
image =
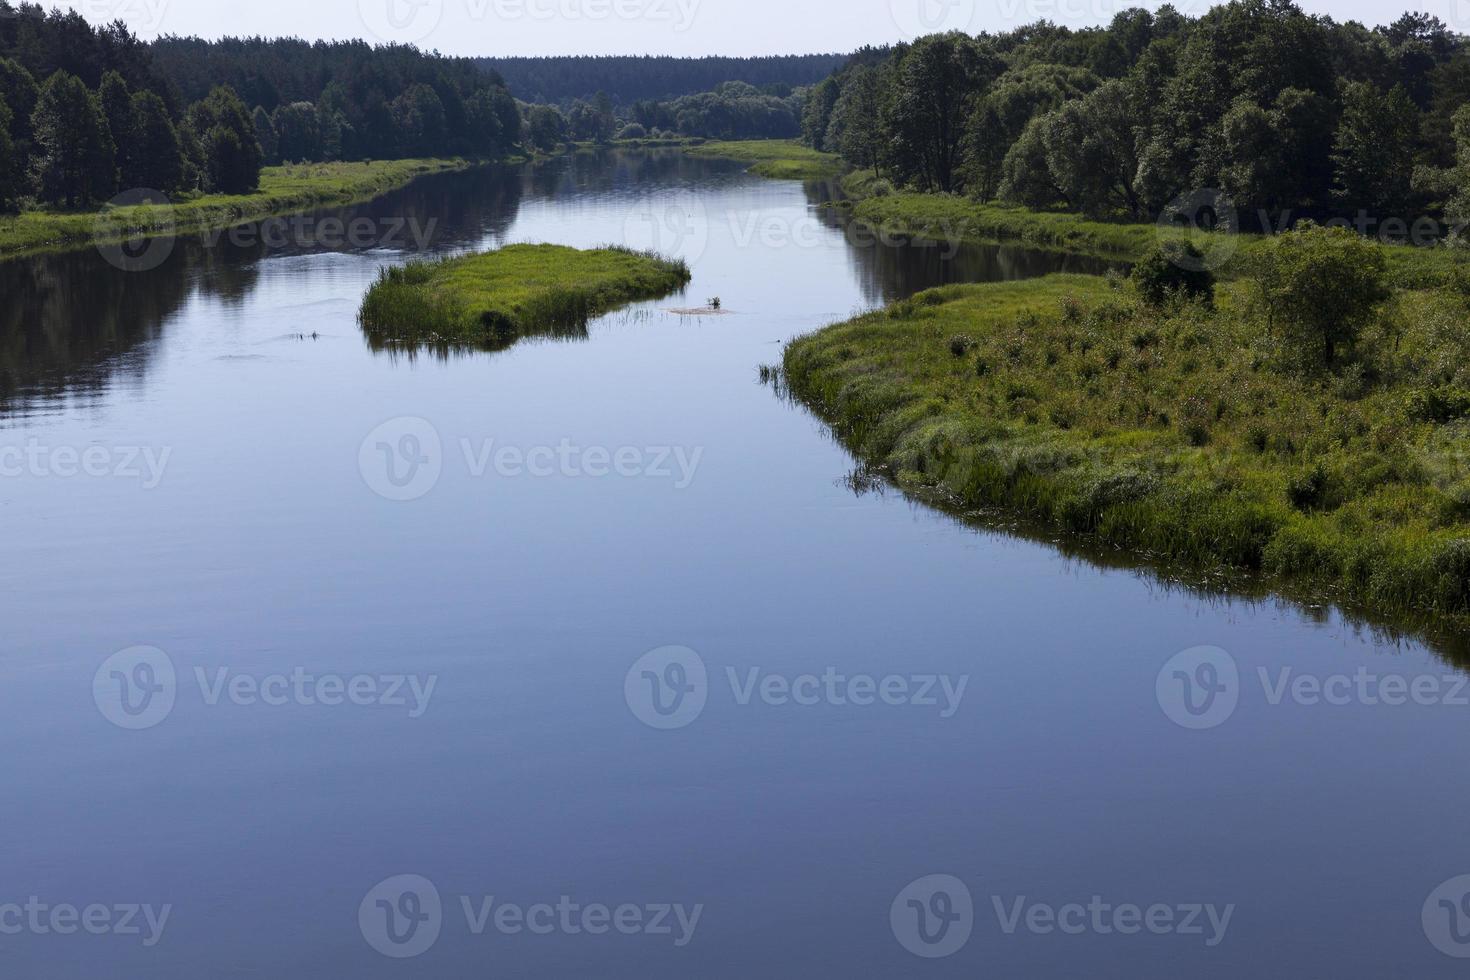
x: 560, y: 80
x: 86, y: 112
x: 734, y: 110
x: 1280, y: 110
x: 348, y: 100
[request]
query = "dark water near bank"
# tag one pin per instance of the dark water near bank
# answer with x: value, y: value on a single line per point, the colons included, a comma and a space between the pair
x: 244, y: 514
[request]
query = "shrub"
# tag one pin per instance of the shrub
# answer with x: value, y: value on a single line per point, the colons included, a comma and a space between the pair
x: 1320, y: 286
x: 1174, y: 268
x: 1309, y: 490
x: 633, y: 131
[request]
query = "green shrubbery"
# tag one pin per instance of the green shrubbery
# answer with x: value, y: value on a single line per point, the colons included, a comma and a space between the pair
x: 1320, y: 287
x: 1211, y: 435
x: 1174, y: 268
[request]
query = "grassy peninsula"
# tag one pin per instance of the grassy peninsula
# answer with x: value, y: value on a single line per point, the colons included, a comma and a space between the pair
x: 492, y: 299
x: 283, y: 190
x: 779, y: 159
x: 1181, y: 432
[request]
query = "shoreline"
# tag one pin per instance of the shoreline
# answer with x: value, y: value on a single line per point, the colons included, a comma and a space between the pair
x: 775, y: 159
x: 286, y: 190
x: 491, y: 300
x: 1026, y: 441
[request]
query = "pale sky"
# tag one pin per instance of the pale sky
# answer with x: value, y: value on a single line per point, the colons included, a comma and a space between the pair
x: 677, y: 27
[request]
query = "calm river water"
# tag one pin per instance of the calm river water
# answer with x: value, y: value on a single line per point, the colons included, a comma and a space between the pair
x: 585, y: 658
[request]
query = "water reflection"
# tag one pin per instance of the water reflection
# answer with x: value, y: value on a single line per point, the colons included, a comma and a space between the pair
x: 57, y: 340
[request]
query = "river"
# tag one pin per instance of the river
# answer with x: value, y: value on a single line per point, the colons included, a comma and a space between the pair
x: 596, y: 657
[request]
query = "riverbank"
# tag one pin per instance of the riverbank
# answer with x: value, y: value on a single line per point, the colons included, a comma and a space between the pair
x: 1168, y: 433
x: 283, y: 190
x: 495, y: 298
x: 777, y: 159
x: 948, y: 217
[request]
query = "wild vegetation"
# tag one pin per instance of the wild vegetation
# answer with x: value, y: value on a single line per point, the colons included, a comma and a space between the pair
x: 283, y: 190
x: 1292, y: 116
x: 781, y: 159
x: 87, y: 112
x: 731, y: 111
x: 1302, y: 421
x: 493, y: 299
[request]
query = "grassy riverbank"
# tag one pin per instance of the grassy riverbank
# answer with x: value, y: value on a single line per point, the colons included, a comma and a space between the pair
x: 283, y: 190
x: 494, y: 298
x: 947, y: 217
x: 1173, y: 433
x: 780, y: 159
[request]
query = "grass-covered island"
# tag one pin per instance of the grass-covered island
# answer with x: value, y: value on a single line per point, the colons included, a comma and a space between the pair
x: 492, y: 299
x: 283, y: 190
x: 780, y: 159
x: 1303, y: 421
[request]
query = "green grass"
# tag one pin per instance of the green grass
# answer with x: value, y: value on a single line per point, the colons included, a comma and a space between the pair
x: 947, y: 217
x: 1181, y: 435
x: 779, y: 159
x: 493, y: 299
x: 283, y: 190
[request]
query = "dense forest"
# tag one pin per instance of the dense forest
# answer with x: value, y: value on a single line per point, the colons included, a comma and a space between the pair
x: 348, y: 100
x: 734, y: 110
x: 626, y: 80
x: 1290, y: 114
x: 86, y: 112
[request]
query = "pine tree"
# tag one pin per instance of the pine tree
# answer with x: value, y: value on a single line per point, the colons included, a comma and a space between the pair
x: 155, y: 160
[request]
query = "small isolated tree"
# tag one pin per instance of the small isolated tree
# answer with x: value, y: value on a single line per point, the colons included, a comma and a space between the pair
x: 1174, y: 268
x: 1320, y: 286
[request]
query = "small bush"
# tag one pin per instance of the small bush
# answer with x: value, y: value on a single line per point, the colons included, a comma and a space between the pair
x: 1438, y: 405
x: 1310, y: 490
x: 1320, y: 287
x: 1174, y: 268
x: 959, y: 345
